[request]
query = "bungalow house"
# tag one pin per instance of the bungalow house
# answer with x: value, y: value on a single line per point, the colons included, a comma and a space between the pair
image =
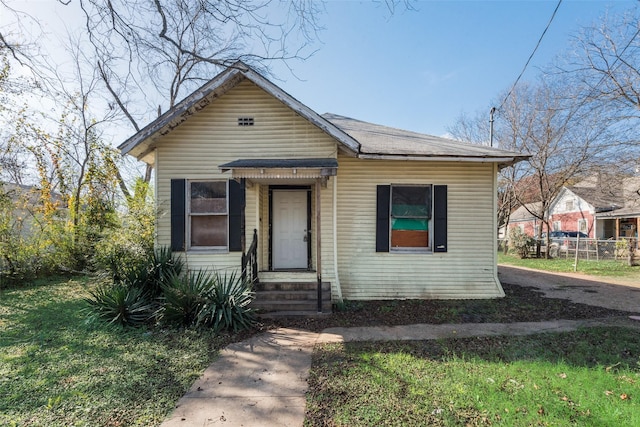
x: 244, y: 171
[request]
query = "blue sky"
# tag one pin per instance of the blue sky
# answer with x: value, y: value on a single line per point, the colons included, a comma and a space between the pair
x: 419, y: 70
x: 414, y: 69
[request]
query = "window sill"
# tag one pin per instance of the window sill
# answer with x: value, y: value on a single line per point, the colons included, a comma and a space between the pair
x: 410, y: 251
x: 208, y: 250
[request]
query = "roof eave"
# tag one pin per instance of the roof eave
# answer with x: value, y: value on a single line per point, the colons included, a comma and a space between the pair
x: 502, y: 161
x: 176, y: 115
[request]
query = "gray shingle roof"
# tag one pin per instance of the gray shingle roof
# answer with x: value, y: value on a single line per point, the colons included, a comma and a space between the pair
x: 523, y: 213
x: 386, y: 141
x: 602, y: 199
x: 355, y: 138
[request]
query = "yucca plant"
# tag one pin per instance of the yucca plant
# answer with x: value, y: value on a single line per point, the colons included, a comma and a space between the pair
x: 227, y: 304
x: 160, y: 266
x: 120, y: 304
x: 183, y: 297
x: 163, y: 266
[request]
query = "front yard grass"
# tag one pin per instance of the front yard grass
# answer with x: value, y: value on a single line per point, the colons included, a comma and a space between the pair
x: 584, y: 378
x: 617, y: 269
x: 56, y: 370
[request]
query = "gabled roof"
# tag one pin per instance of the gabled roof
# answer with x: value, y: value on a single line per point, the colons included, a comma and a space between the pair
x: 354, y: 137
x: 523, y: 213
x: 601, y: 199
x: 377, y: 141
x: 631, y: 199
x: 140, y: 144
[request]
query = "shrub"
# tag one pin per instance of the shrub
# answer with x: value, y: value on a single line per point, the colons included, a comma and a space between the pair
x: 136, y: 293
x: 218, y: 301
x: 129, y: 243
x: 163, y: 266
x: 520, y: 242
x: 119, y: 255
x: 151, y: 273
x: 157, y: 287
x: 120, y: 304
x: 227, y: 304
x: 183, y: 297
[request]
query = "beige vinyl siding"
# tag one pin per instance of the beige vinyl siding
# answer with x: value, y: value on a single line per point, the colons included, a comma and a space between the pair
x: 196, y: 148
x: 466, y: 270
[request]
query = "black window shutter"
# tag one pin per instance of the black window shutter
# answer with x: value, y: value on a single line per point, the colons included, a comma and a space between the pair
x: 178, y: 214
x: 382, y: 218
x: 440, y: 218
x: 236, y: 208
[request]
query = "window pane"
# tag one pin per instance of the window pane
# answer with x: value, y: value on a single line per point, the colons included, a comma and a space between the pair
x: 410, y: 215
x: 409, y: 224
x: 209, y: 197
x: 208, y: 231
x: 411, y: 201
x: 409, y: 239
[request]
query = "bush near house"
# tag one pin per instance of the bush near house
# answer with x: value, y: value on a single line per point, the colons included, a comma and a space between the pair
x: 520, y: 242
x: 157, y: 291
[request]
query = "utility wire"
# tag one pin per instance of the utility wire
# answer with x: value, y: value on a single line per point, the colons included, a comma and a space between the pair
x: 531, y: 56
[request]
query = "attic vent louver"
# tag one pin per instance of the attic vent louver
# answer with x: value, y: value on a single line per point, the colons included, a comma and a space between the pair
x: 245, y: 121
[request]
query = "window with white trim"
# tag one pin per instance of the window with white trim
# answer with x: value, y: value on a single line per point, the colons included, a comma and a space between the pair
x: 582, y: 226
x: 410, y: 217
x: 207, y: 210
x: 568, y: 205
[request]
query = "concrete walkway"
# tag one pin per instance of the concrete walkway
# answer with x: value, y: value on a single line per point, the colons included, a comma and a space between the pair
x: 262, y: 381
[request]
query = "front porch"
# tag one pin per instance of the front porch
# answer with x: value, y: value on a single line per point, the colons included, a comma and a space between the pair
x: 284, y: 205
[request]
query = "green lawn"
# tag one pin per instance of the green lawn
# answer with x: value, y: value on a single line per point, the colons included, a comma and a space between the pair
x: 564, y: 265
x: 55, y: 370
x: 585, y: 378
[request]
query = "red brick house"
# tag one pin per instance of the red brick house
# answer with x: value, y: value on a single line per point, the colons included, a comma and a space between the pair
x: 600, y: 210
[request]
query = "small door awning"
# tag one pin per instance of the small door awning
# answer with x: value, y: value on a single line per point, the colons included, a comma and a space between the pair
x: 256, y: 169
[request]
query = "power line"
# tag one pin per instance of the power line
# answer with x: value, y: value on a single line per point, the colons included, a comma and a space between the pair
x: 531, y: 56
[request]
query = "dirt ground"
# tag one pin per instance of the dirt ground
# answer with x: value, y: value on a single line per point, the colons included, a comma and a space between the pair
x: 612, y: 293
x: 531, y: 296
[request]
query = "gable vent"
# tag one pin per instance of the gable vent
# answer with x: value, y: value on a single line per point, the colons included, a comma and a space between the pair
x: 245, y: 121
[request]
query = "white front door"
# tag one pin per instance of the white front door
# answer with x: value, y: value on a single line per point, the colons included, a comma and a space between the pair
x: 289, y: 229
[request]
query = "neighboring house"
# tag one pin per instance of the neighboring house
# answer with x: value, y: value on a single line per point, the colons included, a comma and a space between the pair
x: 523, y: 219
x: 25, y: 203
x: 607, y: 209
x: 377, y: 212
x: 574, y: 209
x: 624, y: 220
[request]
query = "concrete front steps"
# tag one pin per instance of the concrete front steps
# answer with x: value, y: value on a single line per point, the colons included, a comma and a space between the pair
x: 291, y: 299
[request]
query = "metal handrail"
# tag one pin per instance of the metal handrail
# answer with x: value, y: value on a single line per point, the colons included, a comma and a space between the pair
x: 250, y: 259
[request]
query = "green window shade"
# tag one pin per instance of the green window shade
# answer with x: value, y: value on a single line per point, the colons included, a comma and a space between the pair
x: 409, y: 224
x: 409, y: 210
